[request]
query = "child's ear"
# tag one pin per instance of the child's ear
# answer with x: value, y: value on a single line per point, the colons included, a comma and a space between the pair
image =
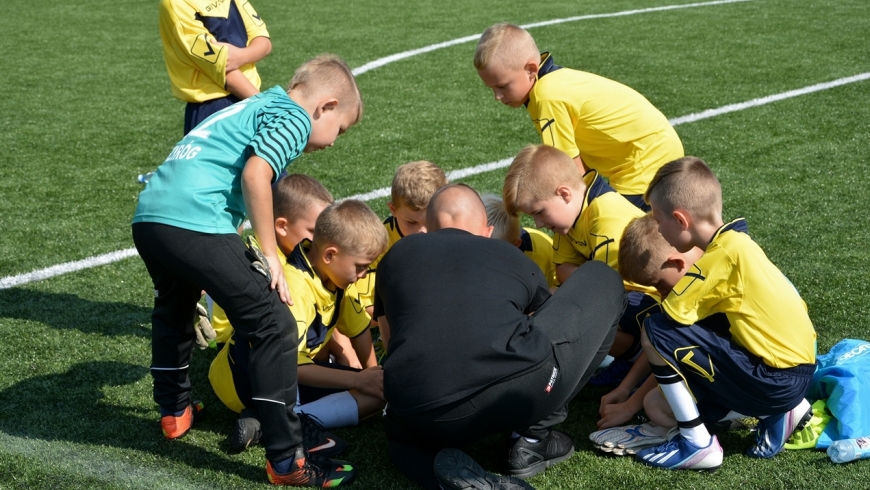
x: 392, y: 207
x: 565, y: 193
x: 281, y: 226
x: 531, y: 69
x: 326, y: 105
x: 677, y: 261
x: 682, y: 218
x: 329, y: 254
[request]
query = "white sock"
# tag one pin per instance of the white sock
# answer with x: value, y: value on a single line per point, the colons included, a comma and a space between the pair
x: 685, y: 410
x: 335, y: 410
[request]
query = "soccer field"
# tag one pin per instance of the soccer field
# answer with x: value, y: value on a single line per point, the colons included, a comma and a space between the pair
x: 773, y: 94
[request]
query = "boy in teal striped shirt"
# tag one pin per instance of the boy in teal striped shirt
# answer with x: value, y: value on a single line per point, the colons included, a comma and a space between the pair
x: 185, y: 231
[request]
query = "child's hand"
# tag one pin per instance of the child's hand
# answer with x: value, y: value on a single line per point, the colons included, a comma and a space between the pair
x: 371, y: 382
x: 615, y: 396
x: 615, y: 415
x: 279, y: 282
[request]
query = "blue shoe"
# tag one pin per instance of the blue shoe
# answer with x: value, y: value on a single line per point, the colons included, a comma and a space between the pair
x: 612, y: 375
x: 773, y: 431
x: 680, y: 454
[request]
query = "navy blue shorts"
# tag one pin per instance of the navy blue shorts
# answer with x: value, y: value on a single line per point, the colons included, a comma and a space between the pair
x: 724, y: 376
x: 637, y: 307
x: 197, y: 112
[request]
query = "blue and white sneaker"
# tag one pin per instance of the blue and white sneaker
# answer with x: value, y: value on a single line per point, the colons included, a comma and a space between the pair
x: 773, y: 431
x: 628, y: 439
x: 680, y: 454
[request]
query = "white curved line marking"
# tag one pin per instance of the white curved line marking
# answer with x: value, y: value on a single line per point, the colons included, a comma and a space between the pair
x: 462, y: 40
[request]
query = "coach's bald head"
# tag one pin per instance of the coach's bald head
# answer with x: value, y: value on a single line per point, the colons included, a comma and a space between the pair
x: 457, y: 206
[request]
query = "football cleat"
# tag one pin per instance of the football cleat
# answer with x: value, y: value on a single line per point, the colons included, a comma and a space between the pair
x: 680, y: 454
x: 773, y: 431
x: 313, y: 471
x: 176, y: 426
x: 455, y: 470
x: 527, y: 459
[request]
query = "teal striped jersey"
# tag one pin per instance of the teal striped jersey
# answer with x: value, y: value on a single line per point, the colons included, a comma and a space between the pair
x: 199, y: 185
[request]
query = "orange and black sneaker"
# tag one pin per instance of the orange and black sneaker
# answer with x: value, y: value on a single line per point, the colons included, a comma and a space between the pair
x: 313, y: 471
x: 175, y: 426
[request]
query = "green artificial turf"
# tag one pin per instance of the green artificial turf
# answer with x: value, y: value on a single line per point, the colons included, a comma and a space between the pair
x: 87, y: 107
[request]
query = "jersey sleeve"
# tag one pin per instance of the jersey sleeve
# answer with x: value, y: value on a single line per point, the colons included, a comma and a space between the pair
x: 191, y: 41
x: 555, y: 124
x: 565, y: 253
x: 353, y: 319
x: 282, y: 139
x: 254, y: 24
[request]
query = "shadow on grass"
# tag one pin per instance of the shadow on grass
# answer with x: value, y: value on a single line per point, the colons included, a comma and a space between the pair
x: 71, y: 312
x: 70, y: 407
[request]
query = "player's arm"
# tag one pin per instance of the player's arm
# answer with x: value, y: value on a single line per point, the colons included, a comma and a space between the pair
x: 257, y: 192
x: 566, y: 257
x: 555, y: 123
x: 620, y: 405
x: 369, y: 381
x: 564, y: 271
x: 341, y: 347
x: 580, y: 165
x: 237, y: 57
x: 239, y: 85
x: 364, y: 348
x: 384, y: 327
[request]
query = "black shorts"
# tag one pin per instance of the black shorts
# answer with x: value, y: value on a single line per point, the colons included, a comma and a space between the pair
x: 724, y: 376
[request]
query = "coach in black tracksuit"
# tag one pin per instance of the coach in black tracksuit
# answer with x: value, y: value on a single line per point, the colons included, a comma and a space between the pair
x: 465, y: 359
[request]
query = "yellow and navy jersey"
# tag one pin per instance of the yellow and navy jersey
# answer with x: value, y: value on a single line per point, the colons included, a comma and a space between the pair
x: 613, y: 128
x: 598, y: 229
x: 196, y: 64
x: 538, y: 246
x: 317, y: 310
x: 765, y: 313
x: 366, y: 285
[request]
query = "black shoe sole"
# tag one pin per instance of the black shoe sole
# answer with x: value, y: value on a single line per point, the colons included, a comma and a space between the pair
x: 456, y: 470
x: 540, y: 466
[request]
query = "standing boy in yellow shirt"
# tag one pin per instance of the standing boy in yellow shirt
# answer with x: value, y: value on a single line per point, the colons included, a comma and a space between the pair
x: 602, y: 124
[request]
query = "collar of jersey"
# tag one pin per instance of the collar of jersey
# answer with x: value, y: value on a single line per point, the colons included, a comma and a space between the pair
x: 394, y: 224
x: 547, y: 65
x: 739, y: 225
x: 595, y: 187
x: 299, y: 257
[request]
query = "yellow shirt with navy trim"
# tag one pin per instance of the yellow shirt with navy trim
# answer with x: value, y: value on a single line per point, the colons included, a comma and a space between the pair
x: 598, y: 229
x: 538, y: 246
x: 766, y: 314
x: 613, y: 128
x: 317, y: 310
x: 196, y: 65
x: 366, y: 285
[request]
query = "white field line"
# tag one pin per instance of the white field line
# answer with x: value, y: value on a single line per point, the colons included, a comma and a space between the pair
x: 20, y: 279
x: 474, y: 37
x: 80, y: 460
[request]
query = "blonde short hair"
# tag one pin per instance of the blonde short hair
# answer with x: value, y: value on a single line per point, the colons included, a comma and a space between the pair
x: 535, y: 174
x: 689, y: 184
x: 352, y: 227
x: 642, y: 251
x: 415, y: 182
x: 330, y: 75
x: 505, y: 226
x: 507, y: 43
x: 294, y: 194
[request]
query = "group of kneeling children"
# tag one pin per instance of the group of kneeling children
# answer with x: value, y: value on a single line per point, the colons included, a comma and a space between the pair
x: 723, y: 332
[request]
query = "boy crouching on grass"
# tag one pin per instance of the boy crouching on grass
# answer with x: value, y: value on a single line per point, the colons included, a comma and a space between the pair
x: 348, y: 236
x: 587, y: 218
x: 185, y: 231
x: 764, y: 364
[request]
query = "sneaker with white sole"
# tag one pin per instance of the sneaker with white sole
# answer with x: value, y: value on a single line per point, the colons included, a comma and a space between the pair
x: 680, y: 454
x: 628, y: 439
x: 773, y: 431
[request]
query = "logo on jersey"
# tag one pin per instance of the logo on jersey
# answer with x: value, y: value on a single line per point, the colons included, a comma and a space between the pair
x: 203, y: 48
x: 694, y: 275
x: 253, y: 13
x: 696, y: 362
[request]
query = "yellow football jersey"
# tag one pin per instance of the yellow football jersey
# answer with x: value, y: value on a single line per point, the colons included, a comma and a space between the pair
x: 538, y: 246
x: 766, y: 314
x: 366, y: 285
x: 196, y: 64
x: 613, y: 128
x: 317, y: 310
x: 598, y: 229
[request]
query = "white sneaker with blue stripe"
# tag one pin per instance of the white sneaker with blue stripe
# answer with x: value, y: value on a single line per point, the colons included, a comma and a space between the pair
x: 680, y: 454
